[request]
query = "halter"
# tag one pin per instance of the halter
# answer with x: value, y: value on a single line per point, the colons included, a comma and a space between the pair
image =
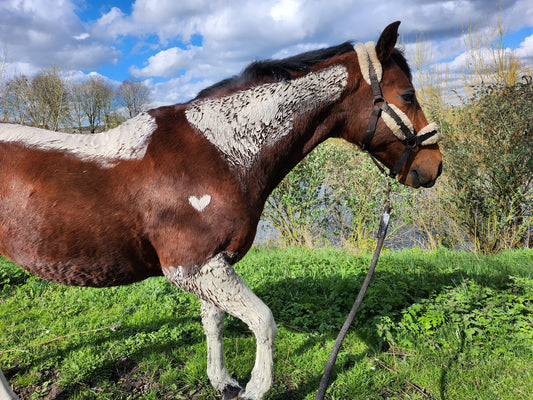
x: 397, y: 121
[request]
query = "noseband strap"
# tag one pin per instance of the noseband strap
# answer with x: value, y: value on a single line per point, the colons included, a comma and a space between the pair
x: 393, y: 117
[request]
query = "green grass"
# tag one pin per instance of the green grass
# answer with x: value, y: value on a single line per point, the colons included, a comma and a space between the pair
x: 438, y: 325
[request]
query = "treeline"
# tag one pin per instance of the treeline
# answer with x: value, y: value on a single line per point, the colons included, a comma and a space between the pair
x: 53, y: 100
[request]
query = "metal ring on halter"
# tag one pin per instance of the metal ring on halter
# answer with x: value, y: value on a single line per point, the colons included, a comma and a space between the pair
x: 377, y: 100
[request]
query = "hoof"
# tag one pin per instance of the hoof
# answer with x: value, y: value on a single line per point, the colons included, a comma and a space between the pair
x: 232, y: 392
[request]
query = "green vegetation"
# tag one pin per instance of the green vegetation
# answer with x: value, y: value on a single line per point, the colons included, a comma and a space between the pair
x: 484, y: 199
x: 490, y: 163
x: 438, y: 325
x: 435, y: 324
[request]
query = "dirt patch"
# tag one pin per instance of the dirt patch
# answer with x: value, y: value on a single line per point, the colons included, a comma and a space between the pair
x: 46, y: 389
x: 125, y: 377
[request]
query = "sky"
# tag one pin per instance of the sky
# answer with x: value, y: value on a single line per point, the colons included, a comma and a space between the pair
x: 178, y: 47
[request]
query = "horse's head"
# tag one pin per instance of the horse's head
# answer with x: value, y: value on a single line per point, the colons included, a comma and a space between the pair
x: 390, y: 124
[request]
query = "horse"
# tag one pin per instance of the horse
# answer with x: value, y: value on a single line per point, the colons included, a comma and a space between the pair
x: 178, y: 191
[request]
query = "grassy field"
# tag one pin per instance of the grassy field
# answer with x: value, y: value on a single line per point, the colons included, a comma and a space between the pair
x: 434, y: 325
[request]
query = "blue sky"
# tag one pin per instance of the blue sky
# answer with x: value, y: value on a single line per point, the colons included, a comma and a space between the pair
x: 180, y: 46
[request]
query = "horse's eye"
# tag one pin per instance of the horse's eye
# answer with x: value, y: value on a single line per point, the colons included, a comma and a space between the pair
x: 409, y: 96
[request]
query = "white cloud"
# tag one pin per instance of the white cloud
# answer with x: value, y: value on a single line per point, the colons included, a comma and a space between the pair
x: 168, y: 63
x: 82, y: 36
x: 285, y: 10
x: 20, y: 68
x: 40, y: 33
x: 177, y: 90
x: 525, y: 51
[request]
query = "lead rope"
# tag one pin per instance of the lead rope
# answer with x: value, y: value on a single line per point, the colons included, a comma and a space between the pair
x: 382, y: 233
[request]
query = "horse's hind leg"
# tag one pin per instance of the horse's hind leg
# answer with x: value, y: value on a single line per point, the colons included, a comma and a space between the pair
x: 218, y: 283
x: 5, y: 390
x: 213, y: 322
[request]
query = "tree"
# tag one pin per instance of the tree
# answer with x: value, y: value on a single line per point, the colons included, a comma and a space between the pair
x: 95, y: 97
x: 134, y: 96
x: 14, y: 99
x: 41, y: 101
x: 48, y: 99
x: 76, y: 100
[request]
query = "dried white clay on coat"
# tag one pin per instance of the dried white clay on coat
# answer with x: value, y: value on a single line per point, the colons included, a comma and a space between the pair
x: 128, y: 141
x: 241, y: 124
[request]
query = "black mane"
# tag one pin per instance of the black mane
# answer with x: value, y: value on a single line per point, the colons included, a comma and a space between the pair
x: 283, y: 69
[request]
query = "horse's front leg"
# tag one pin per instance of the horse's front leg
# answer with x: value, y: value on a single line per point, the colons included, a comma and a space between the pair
x: 218, y: 283
x: 5, y: 390
x: 213, y: 322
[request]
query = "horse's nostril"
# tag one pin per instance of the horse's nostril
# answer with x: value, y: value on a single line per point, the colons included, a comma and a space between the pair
x: 439, y: 171
x: 415, y: 178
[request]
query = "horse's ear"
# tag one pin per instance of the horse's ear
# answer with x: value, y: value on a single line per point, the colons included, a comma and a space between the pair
x: 387, y: 41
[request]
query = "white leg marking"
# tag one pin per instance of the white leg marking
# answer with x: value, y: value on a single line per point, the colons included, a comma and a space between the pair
x: 213, y: 321
x: 218, y: 283
x: 200, y: 203
x: 5, y: 390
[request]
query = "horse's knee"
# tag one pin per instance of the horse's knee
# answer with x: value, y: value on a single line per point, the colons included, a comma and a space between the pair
x: 266, y: 329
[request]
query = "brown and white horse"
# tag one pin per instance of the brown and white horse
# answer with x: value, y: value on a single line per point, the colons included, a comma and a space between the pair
x: 178, y: 191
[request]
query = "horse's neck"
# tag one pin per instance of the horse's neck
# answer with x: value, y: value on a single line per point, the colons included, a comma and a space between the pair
x: 249, y: 127
x: 242, y: 124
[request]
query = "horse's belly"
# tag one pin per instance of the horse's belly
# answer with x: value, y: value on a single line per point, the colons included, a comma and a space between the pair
x: 82, y: 257
x: 95, y: 273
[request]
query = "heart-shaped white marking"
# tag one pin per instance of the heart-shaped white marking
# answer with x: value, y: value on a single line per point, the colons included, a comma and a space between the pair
x: 200, y: 203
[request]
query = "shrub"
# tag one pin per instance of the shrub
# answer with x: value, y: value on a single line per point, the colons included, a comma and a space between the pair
x: 489, y: 151
x: 334, y: 195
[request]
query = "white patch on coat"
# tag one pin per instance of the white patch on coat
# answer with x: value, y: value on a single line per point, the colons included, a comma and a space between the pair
x: 200, y: 203
x: 239, y: 125
x: 128, y: 141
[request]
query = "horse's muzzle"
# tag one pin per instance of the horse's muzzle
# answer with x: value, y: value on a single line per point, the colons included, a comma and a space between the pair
x: 418, y: 179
